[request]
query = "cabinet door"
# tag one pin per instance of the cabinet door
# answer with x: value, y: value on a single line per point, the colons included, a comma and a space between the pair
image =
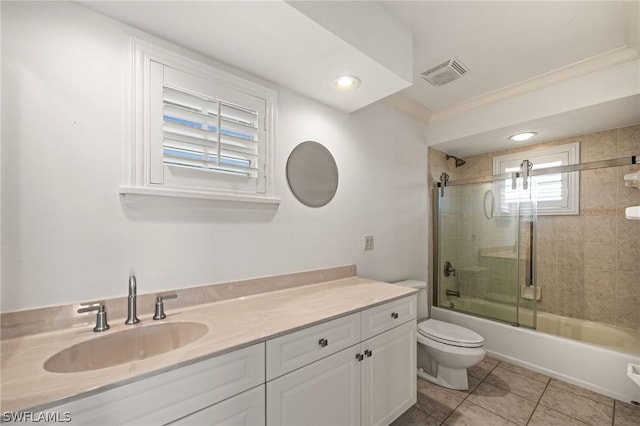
x: 326, y: 393
x: 389, y: 375
x: 246, y: 409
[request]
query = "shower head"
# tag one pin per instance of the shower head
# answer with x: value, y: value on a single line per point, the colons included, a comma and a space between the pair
x: 459, y: 161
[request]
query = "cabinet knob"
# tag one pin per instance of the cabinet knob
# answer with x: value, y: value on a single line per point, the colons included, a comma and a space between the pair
x: 359, y: 357
x: 394, y: 315
x: 368, y: 353
x: 323, y: 342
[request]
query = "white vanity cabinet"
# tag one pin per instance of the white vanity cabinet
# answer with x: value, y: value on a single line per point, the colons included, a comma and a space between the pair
x: 370, y: 382
x: 356, y: 369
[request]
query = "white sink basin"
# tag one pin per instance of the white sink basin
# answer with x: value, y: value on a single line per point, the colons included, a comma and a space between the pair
x: 125, y: 346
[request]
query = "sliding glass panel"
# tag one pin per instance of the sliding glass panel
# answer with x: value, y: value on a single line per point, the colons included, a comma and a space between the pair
x: 479, y: 249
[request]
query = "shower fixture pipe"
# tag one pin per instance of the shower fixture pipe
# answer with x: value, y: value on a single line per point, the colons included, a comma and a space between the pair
x: 459, y: 161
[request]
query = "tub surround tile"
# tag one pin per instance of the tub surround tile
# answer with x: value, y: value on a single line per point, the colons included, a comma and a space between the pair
x: 628, y: 255
x: 503, y: 403
x: 570, y: 304
x: 544, y: 416
x: 600, y: 228
x: 546, y: 252
x: 584, y: 409
x: 516, y: 383
x: 599, y: 287
x: 570, y: 228
x: 628, y: 141
x: 598, y: 176
x: 627, y: 300
x: 627, y: 230
x: 41, y: 320
x: 598, y: 146
x: 546, y: 228
x: 600, y: 256
x: 627, y: 312
x: 437, y: 401
x: 598, y: 195
x: 570, y: 254
x: 470, y: 414
x: 626, y: 414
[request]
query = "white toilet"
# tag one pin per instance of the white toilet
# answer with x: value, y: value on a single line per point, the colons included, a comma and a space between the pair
x: 445, y: 350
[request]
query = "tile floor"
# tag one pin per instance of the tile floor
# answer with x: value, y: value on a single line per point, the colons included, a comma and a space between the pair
x: 501, y: 393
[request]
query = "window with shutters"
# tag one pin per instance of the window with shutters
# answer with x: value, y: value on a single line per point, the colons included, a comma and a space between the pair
x: 197, y: 131
x: 555, y: 193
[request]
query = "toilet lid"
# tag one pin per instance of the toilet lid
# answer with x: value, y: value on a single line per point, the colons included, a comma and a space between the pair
x: 450, y: 334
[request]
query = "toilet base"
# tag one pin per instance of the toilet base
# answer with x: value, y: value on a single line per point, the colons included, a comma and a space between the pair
x: 452, y: 378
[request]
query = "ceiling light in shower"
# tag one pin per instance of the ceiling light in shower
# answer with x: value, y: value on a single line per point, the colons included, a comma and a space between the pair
x: 521, y: 137
x: 346, y: 82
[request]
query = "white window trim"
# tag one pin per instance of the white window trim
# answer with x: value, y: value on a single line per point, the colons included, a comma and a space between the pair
x: 138, y: 144
x: 567, y: 154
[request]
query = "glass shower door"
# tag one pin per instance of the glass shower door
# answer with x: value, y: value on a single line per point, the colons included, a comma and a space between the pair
x: 484, y: 245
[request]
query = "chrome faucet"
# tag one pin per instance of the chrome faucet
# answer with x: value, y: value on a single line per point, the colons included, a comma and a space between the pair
x: 131, y: 312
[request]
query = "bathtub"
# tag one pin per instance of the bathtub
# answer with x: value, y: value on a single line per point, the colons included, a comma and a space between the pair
x: 600, y: 365
x: 617, y: 338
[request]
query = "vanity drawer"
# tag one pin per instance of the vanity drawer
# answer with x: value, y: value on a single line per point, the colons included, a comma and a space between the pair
x: 246, y: 409
x: 295, y: 350
x: 384, y: 317
x: 172, y: 395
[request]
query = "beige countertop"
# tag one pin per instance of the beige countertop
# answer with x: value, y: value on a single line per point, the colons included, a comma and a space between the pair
x: 232, y: 324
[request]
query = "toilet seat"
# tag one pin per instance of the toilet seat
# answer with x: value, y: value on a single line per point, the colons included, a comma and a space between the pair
x: 450, y: 334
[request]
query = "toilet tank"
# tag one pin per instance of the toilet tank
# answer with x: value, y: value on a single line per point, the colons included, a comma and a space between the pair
x: 421, y: 286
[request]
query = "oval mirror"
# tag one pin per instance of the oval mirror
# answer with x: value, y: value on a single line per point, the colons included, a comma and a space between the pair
x: 312, y: 174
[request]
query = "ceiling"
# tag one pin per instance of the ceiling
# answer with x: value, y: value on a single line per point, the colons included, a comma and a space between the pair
x: 540, y: 65
x: 504, y: 43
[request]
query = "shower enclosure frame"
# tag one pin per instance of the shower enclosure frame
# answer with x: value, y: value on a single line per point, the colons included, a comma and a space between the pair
x: 441, y: 186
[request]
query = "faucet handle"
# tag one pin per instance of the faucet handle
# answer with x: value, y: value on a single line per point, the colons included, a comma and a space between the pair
x: 160, y: 306
x: 101, y: 316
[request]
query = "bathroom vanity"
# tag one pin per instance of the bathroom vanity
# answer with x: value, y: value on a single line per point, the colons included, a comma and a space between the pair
x: 338, y: 352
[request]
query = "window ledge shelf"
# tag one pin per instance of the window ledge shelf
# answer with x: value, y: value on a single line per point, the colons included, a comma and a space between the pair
x: 136, y: 192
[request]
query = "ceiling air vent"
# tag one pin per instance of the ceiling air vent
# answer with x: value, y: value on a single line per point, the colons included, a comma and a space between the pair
x: 446, y: 72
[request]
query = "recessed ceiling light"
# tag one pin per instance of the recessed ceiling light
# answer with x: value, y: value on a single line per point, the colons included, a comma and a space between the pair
x: 346, y: 82
x: 520, y: 137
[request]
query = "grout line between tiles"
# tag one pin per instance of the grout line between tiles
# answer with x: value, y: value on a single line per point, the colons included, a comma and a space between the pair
x: 613, y: 415
x: 539, y: 399
x: 469, y: 393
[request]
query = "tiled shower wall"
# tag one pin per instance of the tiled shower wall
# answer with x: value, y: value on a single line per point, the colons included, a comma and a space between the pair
x: 588, y: 265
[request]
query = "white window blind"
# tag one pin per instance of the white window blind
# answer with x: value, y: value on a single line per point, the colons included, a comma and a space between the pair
x: 205, y: 134
x: 209, y: 134
x: 555, y: 193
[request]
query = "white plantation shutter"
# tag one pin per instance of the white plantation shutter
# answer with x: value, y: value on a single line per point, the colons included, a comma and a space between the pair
x: 208, y: 134
x: 204, y: 134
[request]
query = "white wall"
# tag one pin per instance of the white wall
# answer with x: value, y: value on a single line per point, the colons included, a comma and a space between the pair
x: 68, y: 237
